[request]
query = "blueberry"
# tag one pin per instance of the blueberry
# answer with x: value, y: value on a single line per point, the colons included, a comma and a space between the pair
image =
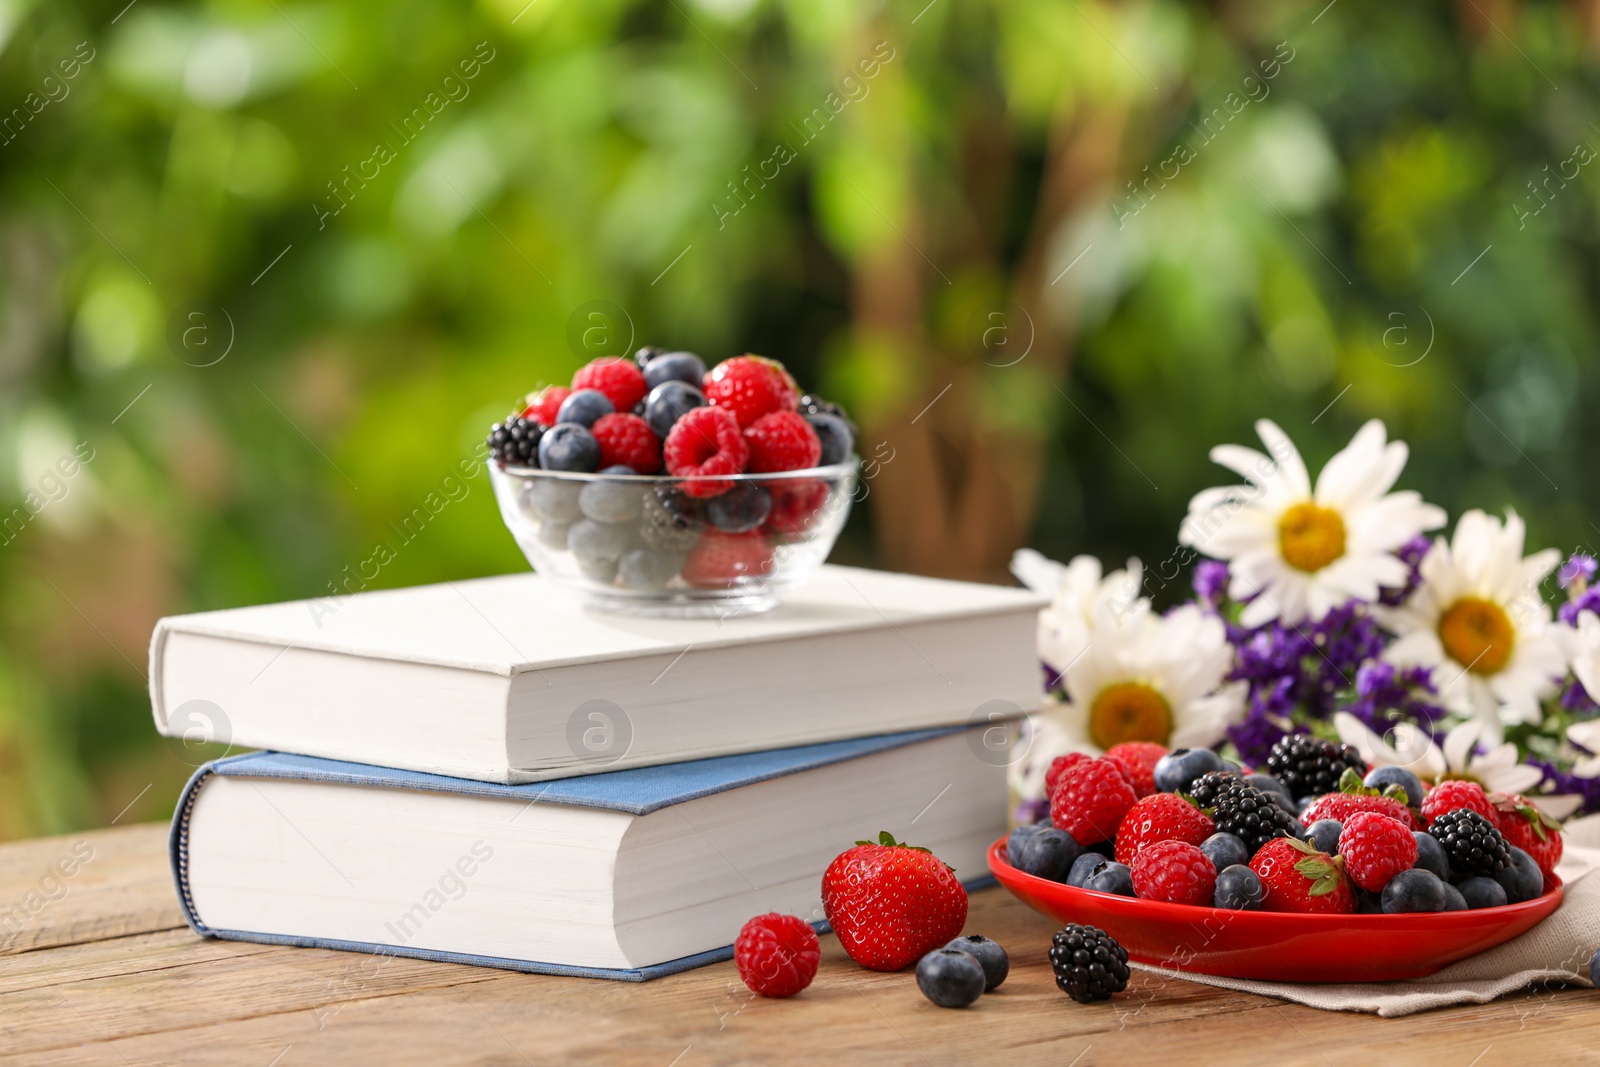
x: 1239, y: 888
x: 990, y: 956
x: 1522, y: 880
x: 1324, y: 835
x: 1368, y: 903
x: 1232, y: 765
x: 597, y: 570
x: 648, y: 570
x: 675, y: 367
x: 1086, y: 864
x: 1225, y: 850
x: 950, y: 977
x: 1412, y: 891
x: 1283, y: 801
x: 1430, y: 856
x: 1453, y: 900
x: 648, y: 353
x: 612, y: 501
x: 1269, y: 784
x: 1380, y: 778
x: 584, y: 407
x: 595, y: 543
x: 1111, y: 878
x: 554, y: 535
x: 1019, y: 835
x: 566, y: 446
x: 1176, y: 771
x: 1047, y: 854
x: 834, y: 433
x: 1481, y: 892
x: 668, y: 402
x: 1594, y: 968
x: 742, y: 508
x: 555, y: 499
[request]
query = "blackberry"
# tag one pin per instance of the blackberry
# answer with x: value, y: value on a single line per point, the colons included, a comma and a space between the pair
x: 1250, y: 814
x: 1208, y: 785
x: 1088, y: 962
x: 1309, y: 766
x: 1473, y: 844
x: 670, y: 522
x: 515, y: 442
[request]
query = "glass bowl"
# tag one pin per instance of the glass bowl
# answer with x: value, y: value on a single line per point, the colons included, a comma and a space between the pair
x: 681, y: 547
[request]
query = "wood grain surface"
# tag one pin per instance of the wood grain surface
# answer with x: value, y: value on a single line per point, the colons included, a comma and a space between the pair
x: 103, y: 971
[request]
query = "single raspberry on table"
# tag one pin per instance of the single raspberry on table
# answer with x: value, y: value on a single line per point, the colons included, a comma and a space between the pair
x: 628, y: 440
x: 619, y: 379
x: 1061, y: 765
x: 1524, y: 826
x: 705, y: 441
x: 1299, y: 878
x: 1160, y: 817
x: 1375, y: 849
x: 777, y: 954
x: 1139, y: 758
x: 720, y: 559
x: 750, y: 387
x: 1090, y: 800
x: 543, y: 405
x: 782, y: 441
x: 796, y: 503
x: 1455, y: 794
x: 1341, y: 806
x: 892, y: 903
x: 1174, y: 871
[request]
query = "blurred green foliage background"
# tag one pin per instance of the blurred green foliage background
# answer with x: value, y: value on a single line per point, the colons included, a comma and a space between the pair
x: 273, y: 267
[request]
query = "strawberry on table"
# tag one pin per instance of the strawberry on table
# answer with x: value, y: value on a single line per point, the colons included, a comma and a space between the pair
x: 619, y: 379
x: 1160, y: 817
x: 1353, y: 797
x: 892, y: 903
x: 749, y: 387
x: 1299, y: 878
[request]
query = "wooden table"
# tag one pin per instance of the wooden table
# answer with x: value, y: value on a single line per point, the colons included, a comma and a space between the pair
x: 103, y: 971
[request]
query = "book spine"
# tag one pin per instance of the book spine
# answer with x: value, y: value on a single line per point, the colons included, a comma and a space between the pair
x: 178, y: 846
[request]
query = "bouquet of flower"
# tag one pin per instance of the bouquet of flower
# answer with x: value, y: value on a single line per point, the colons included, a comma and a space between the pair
x: 1325, y: 609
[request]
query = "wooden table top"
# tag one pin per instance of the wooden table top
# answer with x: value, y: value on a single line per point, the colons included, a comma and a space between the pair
x: 99, y: 968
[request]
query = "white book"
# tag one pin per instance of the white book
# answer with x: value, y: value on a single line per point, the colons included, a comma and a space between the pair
x: 628, y: 875
x: 510, y: 680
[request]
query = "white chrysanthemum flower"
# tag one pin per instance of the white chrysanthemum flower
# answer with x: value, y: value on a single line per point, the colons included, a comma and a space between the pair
x: 1129, y: 674
x: 1302, y: 552
x: 1477, y: 619
x: 1498, y: 770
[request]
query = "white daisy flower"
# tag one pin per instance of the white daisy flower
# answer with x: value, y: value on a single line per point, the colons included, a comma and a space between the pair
x: 1129, y: 674
x: 1584, y: 643
x: 1477, y: 619
x: 1302, y: 552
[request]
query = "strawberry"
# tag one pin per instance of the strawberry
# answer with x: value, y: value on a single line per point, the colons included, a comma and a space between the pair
x: 628, y: 440
x: 705, y: 441
x: 720, y: 559
x: 892, y: 903
x: 1353, y: 797
x: 1061, y: 765
x: 619, y: 379
x: 751, y: 386
x: 1161, y: 817
x: 1455, y: 793
x: 1091, y: 799
x: 1375, y: 848
x: 1299, y: 878
x: 543, y: 405
x: 1524, y: 826
x: 782, y: 441
x: 1138, y: 758
x: 1176, y: 872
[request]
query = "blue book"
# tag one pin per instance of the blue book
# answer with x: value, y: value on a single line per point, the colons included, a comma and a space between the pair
x: 628, y: 875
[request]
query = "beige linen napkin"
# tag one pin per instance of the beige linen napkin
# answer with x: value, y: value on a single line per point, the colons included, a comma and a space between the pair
x: 1555, y: 951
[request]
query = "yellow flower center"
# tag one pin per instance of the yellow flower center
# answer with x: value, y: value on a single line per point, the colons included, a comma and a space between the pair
x: 1310, y: 537
x: 1129, y: 711
x: 1478, y: 634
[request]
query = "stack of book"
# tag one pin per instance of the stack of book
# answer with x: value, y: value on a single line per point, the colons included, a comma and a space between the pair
x: 485, y: 772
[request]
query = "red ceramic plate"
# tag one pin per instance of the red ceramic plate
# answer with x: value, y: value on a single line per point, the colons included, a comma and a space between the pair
x: 1279, y: 946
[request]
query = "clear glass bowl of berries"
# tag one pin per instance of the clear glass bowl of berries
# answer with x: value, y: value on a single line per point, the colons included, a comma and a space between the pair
x: 655, y: 487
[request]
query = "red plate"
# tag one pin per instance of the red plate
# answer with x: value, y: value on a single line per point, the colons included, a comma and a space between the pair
x: 1279, y: 946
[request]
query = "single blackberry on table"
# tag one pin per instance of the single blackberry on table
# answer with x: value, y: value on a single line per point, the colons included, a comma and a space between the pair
x: 515, y: 442
x: 1088, y: 962
x: 1251, y: 815
x: 1309, y: 766
x: 1208, y: 785
x: 1471, y: 842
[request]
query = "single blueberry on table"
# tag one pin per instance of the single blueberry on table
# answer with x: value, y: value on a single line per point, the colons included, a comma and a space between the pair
x: 1238, y: 888
x: 1324, y: 835
x: 1481, y: 892
x: 674, y: 367
x: 990, y: 956
x: 1225, y: 850
x: 1413, y: 891
x: 1177, y: 770
x: 1047, y: 854
x: 584, y: 407
x: 1381, y: 778
x: 950, y: 977
x: 567, y: 446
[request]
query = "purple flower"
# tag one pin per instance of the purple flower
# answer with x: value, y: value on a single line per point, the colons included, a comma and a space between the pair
x: 1210, y: 582
x: 1578, y: 568
x: 1386, y: 694
x: 1587, y: 600
x: 1054, y: 680
x: 1576, y: 699
x: 1410, y: 554
x: 1561, y: 781
x: 1032, y: 811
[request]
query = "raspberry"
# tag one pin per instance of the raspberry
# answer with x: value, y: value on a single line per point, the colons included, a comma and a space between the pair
x: 1091, y: 800
x: 1061, y: 765
x: 705, y: 441
x: 628, y: 440
x: 1340, y: 806
x: 777, y: 954
x: 782, y: 441
x: 620, y: 380
x: 543, y: 405
x: 1160, y: 817
x: 722, y: 559
x: 1174, y: 871
x: 750, y: 387
x: 796, y: 503
x: 1375, y: 849
x: 1524, y: 826
x: 1138, y: 758
x: 1453, y: 795
x: 1299, y: 878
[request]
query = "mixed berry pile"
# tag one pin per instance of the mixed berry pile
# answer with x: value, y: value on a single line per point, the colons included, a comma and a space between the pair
x: 1318, y: 831
x: 664, y: 413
